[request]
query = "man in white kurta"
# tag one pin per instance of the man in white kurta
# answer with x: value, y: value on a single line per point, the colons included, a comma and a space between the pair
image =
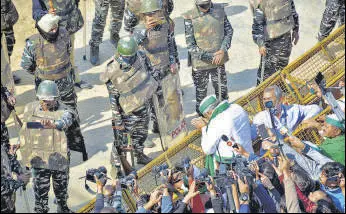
x: 226, y: 119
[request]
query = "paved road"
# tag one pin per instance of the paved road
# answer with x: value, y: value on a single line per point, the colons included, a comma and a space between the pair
x: 93, y: 104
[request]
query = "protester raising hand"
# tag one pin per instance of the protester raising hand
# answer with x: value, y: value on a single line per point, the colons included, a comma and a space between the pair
x: 191, y: 194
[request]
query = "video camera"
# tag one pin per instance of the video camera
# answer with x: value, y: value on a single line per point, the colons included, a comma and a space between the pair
x: 129, y: 181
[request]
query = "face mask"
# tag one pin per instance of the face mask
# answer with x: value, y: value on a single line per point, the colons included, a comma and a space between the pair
x: 50, y: 37
x: 184, y: 188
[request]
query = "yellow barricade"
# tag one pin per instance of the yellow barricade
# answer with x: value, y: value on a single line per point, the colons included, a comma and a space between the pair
x: 326, y: 57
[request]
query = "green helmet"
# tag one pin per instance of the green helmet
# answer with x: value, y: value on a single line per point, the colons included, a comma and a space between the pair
x: 149, y: 6
x: 127, y: 46
x: 47, y: 90
x: 200, y: 2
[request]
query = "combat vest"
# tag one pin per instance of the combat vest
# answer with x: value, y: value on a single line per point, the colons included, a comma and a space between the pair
x: 279, y: 17
x: 43, y: 148
x: 208, y: 32
x: 156, y: 47
x: 6, y: 74
x: 135, y: 86
x: 9, y: 14
x: 71, y: 16
x: 52, y: 59
x: 5, y: 110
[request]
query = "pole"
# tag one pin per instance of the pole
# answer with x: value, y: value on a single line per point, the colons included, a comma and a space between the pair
x: 84, y: 29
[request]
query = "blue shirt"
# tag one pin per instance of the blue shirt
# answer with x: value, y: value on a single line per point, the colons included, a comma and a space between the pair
x: 37, y: 10
x: 337, y: 197
x: 291, y: 117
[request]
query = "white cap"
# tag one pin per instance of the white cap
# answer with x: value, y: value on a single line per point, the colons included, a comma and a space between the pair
x: 48, y: 22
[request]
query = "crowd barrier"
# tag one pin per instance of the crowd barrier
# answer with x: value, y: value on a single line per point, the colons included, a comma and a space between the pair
x: 327, y: 57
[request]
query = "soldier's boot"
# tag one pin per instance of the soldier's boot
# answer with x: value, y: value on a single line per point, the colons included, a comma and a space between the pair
x: 94, y: 55
x: 63, y: 209
x: 142, y: 158
x: 156, y: 129
x: 126, y: 165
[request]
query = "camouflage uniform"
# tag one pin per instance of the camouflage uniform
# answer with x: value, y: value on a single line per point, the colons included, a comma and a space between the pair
x: 203, y: 44
x: 131, y: 20
x: 59, y: 70
x: 71, y: 19
x: 335, y: 11
x: 99, y: 23
x: 160, y: 63
x: 8, y: 185
x: 130, y: 109
x: 55, y: 165
x: 274, y: 34
x: 9, y: 16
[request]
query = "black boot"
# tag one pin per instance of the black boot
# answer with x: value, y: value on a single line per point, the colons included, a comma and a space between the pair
x: 156, y: 129
x: 63, y: 209
x: 94, y: 55
x: 143, y: 159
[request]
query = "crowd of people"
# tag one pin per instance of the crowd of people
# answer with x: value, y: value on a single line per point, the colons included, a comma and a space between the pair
x: 286, y: 174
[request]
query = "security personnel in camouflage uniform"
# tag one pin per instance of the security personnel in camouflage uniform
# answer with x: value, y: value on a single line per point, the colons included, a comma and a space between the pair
x: 335, y: 11
x: 208, y: 37
x: 9, y: 17
x: 7, y: 105
x: 132, y: 13
x: 9, y: 185
x: 47, y: 56
x: 9, y: 161
x: 275, y: 28
x: 44, y: 145
x: 99, y: 23
x: 71, y: 20
x: 154, y: 35
x: 130, y: 88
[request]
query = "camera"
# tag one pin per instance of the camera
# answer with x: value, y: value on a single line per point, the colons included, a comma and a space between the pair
x: 129, y: 181
x: 100, y: 173
x: 240, y: 166
x: 158, y: 169
x: 201, y: 180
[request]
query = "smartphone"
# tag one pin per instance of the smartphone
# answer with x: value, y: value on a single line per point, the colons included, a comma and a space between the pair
x: 262, y: 132
x: 34, y: 125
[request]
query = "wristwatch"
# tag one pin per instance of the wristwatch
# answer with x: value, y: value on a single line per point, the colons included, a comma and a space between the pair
x: 244, y: 197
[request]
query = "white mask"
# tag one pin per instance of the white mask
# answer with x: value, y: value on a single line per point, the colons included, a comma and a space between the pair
x: 184, y: 188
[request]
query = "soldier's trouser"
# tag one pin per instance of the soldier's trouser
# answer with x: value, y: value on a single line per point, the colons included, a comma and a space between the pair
x: 10, y: 40
x: 7, y: 202
x: 41, y: 185
x: 334, y: 12
x: 277, y: 57
x: 135, y: 123
x: 76, y: 74
x: 5, y: 140
x: 68, y: 96
x: 201, y: 80
x: 99, y: 22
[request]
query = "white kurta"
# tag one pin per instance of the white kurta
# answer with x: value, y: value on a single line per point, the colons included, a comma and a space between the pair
x: 234, y: 123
